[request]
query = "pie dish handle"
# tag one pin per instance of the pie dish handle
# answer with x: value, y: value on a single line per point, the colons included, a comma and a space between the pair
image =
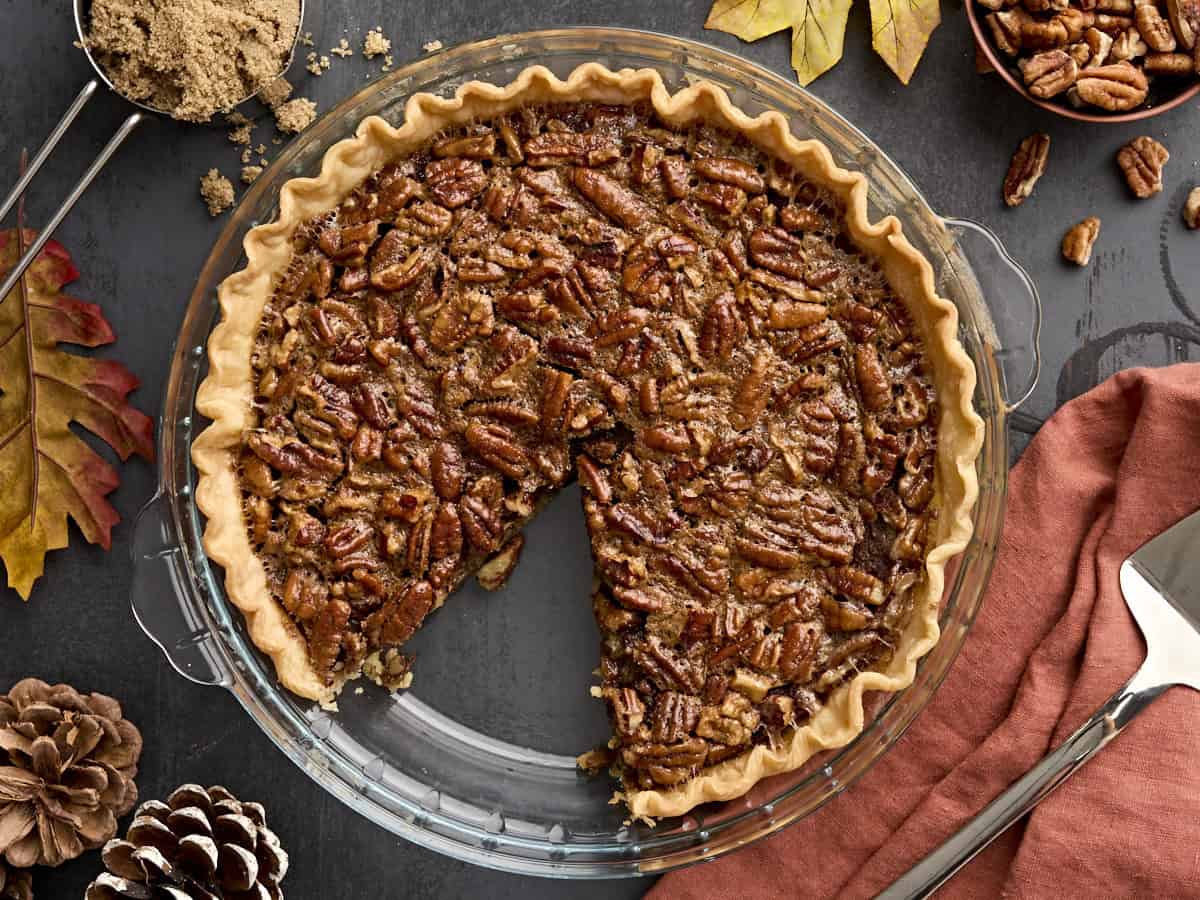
x: 163, y: 601
x: 1012, y: 299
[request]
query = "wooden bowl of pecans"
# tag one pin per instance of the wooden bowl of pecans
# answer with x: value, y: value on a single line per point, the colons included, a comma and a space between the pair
x: 1093, y: 60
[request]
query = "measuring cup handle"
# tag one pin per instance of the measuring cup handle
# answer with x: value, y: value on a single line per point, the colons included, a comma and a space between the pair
x: 47, y: 230
x: 1014, y: 303
x: 161, y: 603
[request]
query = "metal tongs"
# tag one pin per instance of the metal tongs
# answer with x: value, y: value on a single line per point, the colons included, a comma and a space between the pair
x: 81, y: 11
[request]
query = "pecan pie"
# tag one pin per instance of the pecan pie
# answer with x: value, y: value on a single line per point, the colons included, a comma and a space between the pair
x: 683, y: 308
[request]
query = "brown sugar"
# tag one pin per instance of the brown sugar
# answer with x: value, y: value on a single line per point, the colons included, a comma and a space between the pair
x: 295, y: 115
x: 192, y: 58
x: 275, y: 93
x: 375, y: 44
x: 217, y: 192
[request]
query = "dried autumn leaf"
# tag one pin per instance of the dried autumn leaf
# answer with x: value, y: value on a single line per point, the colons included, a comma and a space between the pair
x: 818, y: 28
x: 47, y: 472
x: 900, y: 30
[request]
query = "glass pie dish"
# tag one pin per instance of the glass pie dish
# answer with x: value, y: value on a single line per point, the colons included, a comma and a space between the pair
x: 477, y: 760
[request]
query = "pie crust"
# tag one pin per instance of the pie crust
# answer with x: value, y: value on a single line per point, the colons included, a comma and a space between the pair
x: 225, y: 396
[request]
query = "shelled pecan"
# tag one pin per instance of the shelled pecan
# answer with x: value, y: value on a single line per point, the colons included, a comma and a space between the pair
x: 1027, y: 166
x: 1104, y: 54
x: 1077, y: 243
x: 1141, y: 161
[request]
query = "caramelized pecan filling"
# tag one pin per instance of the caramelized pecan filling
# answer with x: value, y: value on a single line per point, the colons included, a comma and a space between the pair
x: 672, y: 317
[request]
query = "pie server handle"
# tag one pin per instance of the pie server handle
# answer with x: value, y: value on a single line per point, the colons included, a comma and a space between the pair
x: 162, y: 603
x: 925, y: 877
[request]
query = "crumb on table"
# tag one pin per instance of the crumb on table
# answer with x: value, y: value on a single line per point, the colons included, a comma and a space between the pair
x: 375, y: 44
x: 249, y: 173
x: 217, y: 192
x: 295, y: 115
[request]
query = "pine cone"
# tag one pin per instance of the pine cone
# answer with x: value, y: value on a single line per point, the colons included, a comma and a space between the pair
x: 15, y: 884
x: 199, y: 845
x: 71, y: 760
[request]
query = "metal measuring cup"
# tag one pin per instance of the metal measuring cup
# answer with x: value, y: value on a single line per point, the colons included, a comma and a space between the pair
x: 81, y: 11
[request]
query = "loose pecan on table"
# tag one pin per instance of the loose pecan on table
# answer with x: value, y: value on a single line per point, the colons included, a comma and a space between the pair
x: 1027, y: 166
x: 1142, y: 161
x: 1191, y: 209
x: 1078, y: 241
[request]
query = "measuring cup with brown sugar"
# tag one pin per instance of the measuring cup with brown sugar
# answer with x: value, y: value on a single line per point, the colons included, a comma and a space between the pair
x: 123, y: 83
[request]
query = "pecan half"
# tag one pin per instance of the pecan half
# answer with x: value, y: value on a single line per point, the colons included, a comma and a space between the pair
x: 1078, y: 241
x: 1191, y: 209
x: 1099, y: 45
x: 1006, y: 28
x: 675, y: 716
x: 394, y: 267
x: 455, y: 182
x: 1142, y: 161
x: 493, y: 574
x: 1027, y: 166
x: 727, y: 170
x: 1127, y: 45
x: 398, y: 619
x: 1180, y: 65
x: 1185, y: 21
x: 611, y: 198
x: 1048, y: 74
x: 1154, y: 29
x: 1115, y: 87
x: 498, y: 447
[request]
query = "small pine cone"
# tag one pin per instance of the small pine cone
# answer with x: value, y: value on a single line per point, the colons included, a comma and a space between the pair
x: 67, y: 764
x: 199, y: 845
x: 15, y: 884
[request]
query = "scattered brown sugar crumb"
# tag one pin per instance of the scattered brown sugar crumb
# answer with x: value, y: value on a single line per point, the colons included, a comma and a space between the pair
x: 343, y: 49
x: 432, y: 46
x: 375, y: 44
x: 317, y: 64
x: 307, y: 39
x: 249, y: 173
x: 247, y: 153
x: 260, y: 149
x: 295, y: 115
x: 217, y: 192
x: 276, y: 92
x: 240, y: 132
x: 387, y: 64
x: 192, y: 59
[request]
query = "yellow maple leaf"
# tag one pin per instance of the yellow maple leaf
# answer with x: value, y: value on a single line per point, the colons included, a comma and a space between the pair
x: 818, y: 28
x: 900, y: 31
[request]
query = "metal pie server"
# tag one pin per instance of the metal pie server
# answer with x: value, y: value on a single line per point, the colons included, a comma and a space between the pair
x: 1161, y: 585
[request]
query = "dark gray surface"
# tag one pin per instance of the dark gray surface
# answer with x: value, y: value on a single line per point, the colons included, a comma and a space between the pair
x: 140, y: 236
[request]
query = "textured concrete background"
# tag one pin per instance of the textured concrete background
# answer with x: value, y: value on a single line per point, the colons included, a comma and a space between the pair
x: 141, y: 234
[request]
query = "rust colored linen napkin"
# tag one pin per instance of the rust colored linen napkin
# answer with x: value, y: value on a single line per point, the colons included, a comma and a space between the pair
x: 1053, y: 640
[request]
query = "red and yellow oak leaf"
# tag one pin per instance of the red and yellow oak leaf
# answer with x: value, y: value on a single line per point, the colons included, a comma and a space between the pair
x: 47, y: 472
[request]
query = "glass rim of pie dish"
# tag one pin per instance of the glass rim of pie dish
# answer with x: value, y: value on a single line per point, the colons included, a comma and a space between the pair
x: 204, y: 636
